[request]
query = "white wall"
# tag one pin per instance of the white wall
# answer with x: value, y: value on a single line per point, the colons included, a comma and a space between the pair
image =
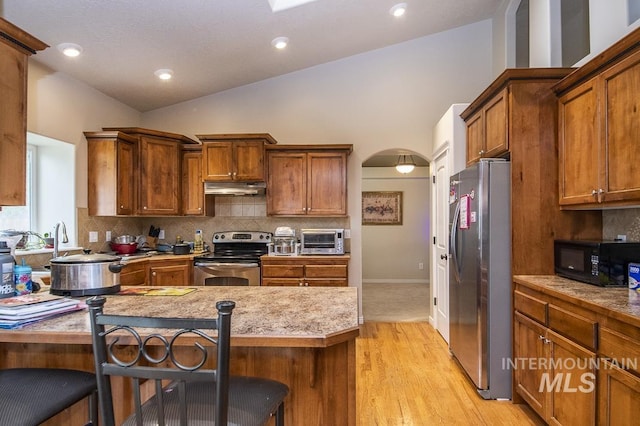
x: 384, y: 99
x: 61, y: 108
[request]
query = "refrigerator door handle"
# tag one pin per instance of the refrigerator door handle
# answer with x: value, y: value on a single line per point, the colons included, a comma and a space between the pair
x: 453, y: 236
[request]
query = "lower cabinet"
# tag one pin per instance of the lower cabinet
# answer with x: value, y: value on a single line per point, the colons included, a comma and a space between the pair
x: 305, y: 271
x: 575, y: 364
x: 158, y: 272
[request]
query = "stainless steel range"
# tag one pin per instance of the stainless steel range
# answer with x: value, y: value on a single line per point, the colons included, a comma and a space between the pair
x: 235, y: 259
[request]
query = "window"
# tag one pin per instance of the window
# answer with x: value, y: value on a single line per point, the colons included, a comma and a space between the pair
x: 50, y: 189
x: 634, y: 10
x: 575, y: 31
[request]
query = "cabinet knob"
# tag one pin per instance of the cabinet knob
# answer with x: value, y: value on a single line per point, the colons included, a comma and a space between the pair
x: 144, y: 208
x: 594, y: 193
x: 300, y: 284
x: 229, y: 174
x: 121, y: 206
x: 481, y: 152
x: 154, y: 273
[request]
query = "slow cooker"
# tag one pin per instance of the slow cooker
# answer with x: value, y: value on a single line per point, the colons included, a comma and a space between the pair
x: 85, y: 274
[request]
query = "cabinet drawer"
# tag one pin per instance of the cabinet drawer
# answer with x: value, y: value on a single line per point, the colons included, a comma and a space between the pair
x: 326, y: 271
x: 620, y: 348
x: 575, y: 327
x: 283, y: 271
x: 530, y: 306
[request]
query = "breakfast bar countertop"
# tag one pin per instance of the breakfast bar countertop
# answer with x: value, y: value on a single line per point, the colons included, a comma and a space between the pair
x: 264, y: 316
x: 618, y: 303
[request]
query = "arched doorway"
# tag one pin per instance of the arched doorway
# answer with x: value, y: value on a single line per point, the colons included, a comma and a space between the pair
x: 396, y: 253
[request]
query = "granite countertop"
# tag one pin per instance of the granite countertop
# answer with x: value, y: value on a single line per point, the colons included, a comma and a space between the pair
x: 619, y: 303
x: 264, y: 316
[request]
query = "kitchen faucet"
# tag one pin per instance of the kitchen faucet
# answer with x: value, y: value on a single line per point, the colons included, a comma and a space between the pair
x: 65, y: 239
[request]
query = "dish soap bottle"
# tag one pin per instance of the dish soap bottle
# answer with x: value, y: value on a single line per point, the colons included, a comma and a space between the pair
x: 198, y: 243
x: 22, y: 279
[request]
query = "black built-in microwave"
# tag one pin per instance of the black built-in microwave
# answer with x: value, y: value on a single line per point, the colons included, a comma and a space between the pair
x: 602, y: 263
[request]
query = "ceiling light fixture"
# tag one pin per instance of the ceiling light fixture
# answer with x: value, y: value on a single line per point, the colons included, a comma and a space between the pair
x: 405, y: 164
x: 70, y: 49
x: 280, y: 42
x: 164, y: 74
x: 398, y: 10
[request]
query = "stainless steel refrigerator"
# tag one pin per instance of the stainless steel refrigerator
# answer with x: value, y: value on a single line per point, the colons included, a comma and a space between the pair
x: 480, y: 275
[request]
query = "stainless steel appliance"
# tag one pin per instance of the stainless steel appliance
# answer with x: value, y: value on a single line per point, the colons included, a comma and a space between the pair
x: 88, y: 274
x: 235, y: 259
x: 480, y: 275
x: 322, y: 241
x: 602, y: 263
x: 284, y: 242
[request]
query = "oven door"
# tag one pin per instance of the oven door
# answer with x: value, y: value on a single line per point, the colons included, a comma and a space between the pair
x: 226, y: 274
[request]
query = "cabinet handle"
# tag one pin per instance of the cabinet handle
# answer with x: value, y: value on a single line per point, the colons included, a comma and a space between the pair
x: 300, y: 284
x: 594, y: 193
x: 547, y: 341
x: 540, y: 337
x: 229, y: 174
x: 235, y: 174
x: 481, y: 152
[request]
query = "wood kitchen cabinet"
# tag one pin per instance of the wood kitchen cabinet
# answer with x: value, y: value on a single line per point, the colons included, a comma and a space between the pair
x: 134, y: 274
x: 170, y: 272
x: 487, y: 129
x: 307, y: 180
x: 234, y: 157
x: 140, y: 163
x: 194, y: 201
x: 519, y: 112
x: 112, y: 186
x: 305, y: 271
x: 588, y: 331
x: 599, y: 116
x: 15, y: 48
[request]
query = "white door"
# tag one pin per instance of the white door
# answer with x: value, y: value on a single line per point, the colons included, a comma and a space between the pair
x: 441, y: 251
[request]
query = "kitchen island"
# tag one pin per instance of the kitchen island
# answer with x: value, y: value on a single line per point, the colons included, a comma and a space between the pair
x: 304, y: 337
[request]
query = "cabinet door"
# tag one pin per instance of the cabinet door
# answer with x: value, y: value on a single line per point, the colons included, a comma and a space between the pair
x: 496, y: 125
x: 475, y: 132
x: 159, y: 177
x: 125, y: 172
x: 170, y: 275
x: 619, y: 395
x: 217, y: 161
x: 13, y: 126
x: 249, y: 161
x: 529, y: 344
x: 286, y: 183
x: 327, y: 184
x: 621, y: 130
x: 134, y: 274
x: 578, y: 145
x: 574, y: 393
x: 194, y: 202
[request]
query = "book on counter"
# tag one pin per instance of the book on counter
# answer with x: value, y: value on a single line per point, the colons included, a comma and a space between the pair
x: 21, y: 310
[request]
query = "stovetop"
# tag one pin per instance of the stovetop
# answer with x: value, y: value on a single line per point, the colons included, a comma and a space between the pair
x: 237, y: 246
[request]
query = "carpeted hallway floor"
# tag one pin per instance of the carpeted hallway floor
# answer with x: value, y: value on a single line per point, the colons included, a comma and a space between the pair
x: 395, y: 302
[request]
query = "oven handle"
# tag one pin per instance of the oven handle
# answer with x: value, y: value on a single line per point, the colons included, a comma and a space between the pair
x: 226, y: 265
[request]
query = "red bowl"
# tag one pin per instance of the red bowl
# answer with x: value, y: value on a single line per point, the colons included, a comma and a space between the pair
x: 126, y: 248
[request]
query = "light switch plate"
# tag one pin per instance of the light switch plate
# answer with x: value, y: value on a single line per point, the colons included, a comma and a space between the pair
x: 107, y: 236
x: 93, y: 236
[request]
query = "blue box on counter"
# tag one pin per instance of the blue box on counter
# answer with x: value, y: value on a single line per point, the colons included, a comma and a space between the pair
x: 634, y: 277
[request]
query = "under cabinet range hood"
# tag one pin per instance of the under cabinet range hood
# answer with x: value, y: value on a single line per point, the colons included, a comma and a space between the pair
x: 234, y: 188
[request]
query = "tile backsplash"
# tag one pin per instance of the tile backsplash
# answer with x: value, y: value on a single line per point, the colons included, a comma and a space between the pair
x: 232, y: 213
x: 621, y: 222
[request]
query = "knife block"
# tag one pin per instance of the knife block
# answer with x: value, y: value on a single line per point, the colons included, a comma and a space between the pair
x: 152, y: 241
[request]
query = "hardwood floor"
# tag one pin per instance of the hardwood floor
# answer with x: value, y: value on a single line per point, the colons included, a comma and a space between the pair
x: 405, y: 376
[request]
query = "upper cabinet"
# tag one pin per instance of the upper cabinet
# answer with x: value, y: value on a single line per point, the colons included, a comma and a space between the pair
x: 15, y: 48
x: 599, y: 129
x: 307, y: 180
x: 194, y: 201
x: 234, y: 157
x: 494, y: 119
x: 156, y: 171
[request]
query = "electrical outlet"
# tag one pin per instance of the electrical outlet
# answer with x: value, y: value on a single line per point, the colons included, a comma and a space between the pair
x: 93, y: 236
x: 347, y: 233
x: 161, y: 234
x: 621, y: 237
x: 420, y: 265
x: 107, y: 236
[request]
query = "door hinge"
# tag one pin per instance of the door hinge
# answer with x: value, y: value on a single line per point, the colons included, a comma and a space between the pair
x: 434, y: 178
x: 434, y: 240
x: 435, y: 301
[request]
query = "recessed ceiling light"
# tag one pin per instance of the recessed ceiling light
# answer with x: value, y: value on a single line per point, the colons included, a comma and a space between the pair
x: 398, y: 10
x: 70, y: 49
x: 164, y: 74
x: 280, y: 42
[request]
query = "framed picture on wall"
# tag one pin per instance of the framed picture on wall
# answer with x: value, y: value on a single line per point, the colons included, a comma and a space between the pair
x: 382, y: 208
